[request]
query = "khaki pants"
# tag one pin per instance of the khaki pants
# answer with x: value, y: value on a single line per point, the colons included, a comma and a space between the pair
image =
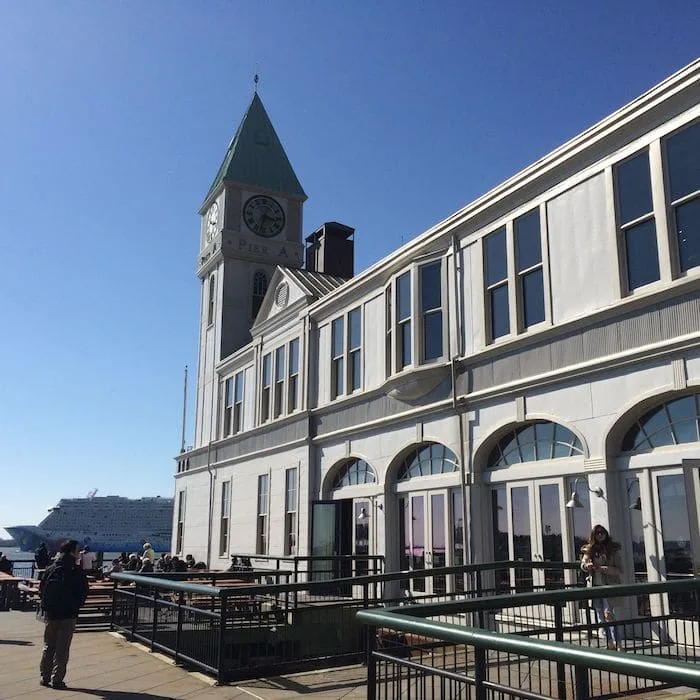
x: 57, y: 638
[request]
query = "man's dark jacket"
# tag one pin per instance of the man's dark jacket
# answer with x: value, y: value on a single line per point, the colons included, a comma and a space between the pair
x: 72, y: 591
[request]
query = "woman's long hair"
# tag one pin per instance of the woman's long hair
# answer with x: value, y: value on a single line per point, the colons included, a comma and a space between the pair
x: 608, y: 546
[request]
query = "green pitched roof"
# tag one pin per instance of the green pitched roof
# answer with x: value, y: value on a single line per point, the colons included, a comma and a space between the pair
x: 256, y: 157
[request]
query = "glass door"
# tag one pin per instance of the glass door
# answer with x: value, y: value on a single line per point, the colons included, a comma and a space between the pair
x: 530, y: 515
x: 424, y: 538
x: 676, y: 533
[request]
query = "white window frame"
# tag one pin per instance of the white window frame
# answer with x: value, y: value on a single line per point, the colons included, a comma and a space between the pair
x: 291, y: 511
x: 180, y: 527
x: 293, y: 387
x: 394, y: 326
x: 672, y: 205
x: 266, y: 388
x: 262, y: 540
x: 225, y: 518
x: 516, y: 310
x: 279, y: 403
x: 342, y: 361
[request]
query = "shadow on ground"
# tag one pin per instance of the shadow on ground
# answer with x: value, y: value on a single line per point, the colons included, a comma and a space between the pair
x: 118, y: 694
x: 17, y: 642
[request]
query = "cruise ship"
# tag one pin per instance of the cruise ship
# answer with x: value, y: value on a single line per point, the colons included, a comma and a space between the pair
x: 104, y: 523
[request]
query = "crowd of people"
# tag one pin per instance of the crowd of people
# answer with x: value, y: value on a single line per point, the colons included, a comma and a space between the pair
x: 148, y: 562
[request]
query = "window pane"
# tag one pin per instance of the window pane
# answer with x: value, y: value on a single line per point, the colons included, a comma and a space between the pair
x: 403, y: 290
x: 294, y: 356
x: 496, y: 258
x: 430, y: 287
x: 683, y: 151
x: 337, y: 333
x: 267, y: 368
x: 432, y: 336
x: 279, y: 364
x: 533, y: 297
x: 688, y: 232
x: 355, y: 329
x: 239, y: 387
x: 356, y: 370
x: 527, y: 240
x: 642, y: 255
x: 634, y: 188
x: 406, y: 344
x: 500, y: 322
x: 339, y: 377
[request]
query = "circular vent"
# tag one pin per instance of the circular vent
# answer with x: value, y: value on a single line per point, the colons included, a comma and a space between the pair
x: 282, y: 295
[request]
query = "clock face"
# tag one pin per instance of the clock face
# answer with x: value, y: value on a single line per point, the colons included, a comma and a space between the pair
x: 212, y: 221
x: 263, y: 216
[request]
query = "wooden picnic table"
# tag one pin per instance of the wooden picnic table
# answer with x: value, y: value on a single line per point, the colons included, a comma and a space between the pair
x: 8, y: 589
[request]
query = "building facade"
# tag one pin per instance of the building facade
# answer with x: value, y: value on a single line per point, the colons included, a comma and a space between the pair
x: 538, y: 349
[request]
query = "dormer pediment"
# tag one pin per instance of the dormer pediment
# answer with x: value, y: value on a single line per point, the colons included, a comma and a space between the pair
x: 289, y: 290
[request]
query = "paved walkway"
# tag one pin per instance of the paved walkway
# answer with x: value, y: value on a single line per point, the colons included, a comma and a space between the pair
x: 103, y: 665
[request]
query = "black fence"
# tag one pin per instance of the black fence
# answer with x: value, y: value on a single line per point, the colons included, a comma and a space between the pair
x: 23, y: 569
x: 536, y: 645
x: 239, y: 625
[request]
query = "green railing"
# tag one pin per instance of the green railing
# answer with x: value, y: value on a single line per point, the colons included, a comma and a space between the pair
x: 515, y: 646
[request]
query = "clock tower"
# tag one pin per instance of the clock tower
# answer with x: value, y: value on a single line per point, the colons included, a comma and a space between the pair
x: 251, y: 221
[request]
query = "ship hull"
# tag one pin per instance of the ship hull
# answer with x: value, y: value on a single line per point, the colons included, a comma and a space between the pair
x: 29, y: 537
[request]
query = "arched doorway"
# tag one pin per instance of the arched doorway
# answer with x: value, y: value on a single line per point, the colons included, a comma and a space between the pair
x: 658, y: 454
x: 529, y: 471
x: 344, y: 522
x: 430, y: 516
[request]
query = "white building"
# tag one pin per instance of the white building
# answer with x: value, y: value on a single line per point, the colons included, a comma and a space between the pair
x: 545, y: 339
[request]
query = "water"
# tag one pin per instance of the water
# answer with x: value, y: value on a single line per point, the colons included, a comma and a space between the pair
x: 14, y: 554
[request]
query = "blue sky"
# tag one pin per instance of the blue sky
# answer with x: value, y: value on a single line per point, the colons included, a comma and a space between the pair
x: 114, y: 119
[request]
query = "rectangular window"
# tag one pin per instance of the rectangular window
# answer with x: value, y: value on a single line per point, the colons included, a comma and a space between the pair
x: 180, y: 535
x: 228, y: 407
x: 224, y: 517
x: 212, y: 297
x: 496, y: 273
x: 389, y: 324
x: 266, y: 388
x: 280, y: 371
x: 355, y: 349
x: 636, y: 225
x: 290, y: 509
x: 293, y: 398
x: 404, y: 335
x: 528, y: 249
x: 238, y: 403
x: 337, y: 358
x: 431, y: 310
x: 263, y: 513
x: 683, y: 160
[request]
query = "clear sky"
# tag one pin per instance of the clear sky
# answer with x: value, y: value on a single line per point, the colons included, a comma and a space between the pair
x: 114, y: 117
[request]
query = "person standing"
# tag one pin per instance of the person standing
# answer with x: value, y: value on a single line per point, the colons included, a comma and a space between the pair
x: 148, y: 553
x: 63, y: 590
x: 41, y: 557
x: 601, y: 560
x: 87, y: 559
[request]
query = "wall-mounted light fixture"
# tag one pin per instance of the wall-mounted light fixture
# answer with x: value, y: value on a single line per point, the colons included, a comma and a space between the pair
x: 575, y: 501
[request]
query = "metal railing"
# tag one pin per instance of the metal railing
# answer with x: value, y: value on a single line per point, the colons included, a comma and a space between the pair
x: 313, y: 568
x: 23, y: 569
x: 534, y: 645
x: 234, y: 629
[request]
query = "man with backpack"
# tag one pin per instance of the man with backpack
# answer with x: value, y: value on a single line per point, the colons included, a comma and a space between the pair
x: 63, y: 590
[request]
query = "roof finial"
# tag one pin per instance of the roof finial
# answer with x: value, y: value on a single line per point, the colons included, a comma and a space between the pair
x: 256, y: 78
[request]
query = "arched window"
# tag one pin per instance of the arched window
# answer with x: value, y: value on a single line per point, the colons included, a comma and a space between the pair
x: 534, y: 442
x: 354, y: 472
x: 212, y: 298
x: 260, y: 283
x: 672, y: 423
x: 431, y: 458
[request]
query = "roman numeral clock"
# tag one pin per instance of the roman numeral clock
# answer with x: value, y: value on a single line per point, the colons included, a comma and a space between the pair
x: 263, y: 216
